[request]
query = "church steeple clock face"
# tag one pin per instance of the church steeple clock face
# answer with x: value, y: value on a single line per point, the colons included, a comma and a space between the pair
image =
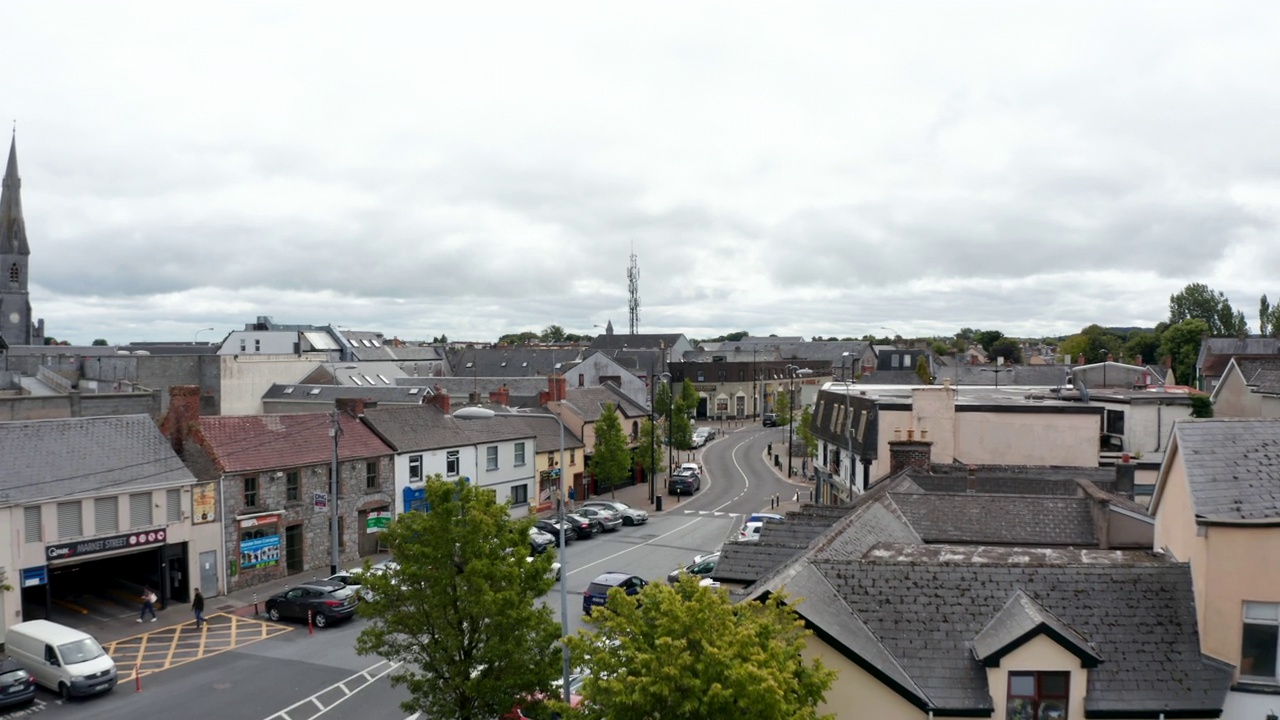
x: 14, y: 318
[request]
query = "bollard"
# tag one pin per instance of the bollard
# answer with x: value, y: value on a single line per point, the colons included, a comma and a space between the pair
x: 311, y: 630
x: 810, y: 495
x: 137, y: 678
x: 797, y: 499
x: 255, y: 603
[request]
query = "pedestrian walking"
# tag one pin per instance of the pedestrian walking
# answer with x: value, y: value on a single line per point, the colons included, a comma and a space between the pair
x: 148, y: 604
x: 197, y: 607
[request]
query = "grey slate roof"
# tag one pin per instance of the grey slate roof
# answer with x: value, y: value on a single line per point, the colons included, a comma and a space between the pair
x: 1261, y: 374
x: 1018, y: 621
x: 1215, y: 350
x: 1140, y: 616
x: 547, y: 434
x: 999, y: 519
x: 589, y: 402
x: 426, y: 427
x: 617, y: 341
x: 510, y: 362
x: 1232, y: 465
x: 309, y: 395
x: 523, y: 390
x: 46, y: 459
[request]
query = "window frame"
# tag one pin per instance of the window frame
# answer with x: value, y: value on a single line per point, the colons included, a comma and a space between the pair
x: 293, y: 486
x: 1273, y: 622
x: 519, y: 495
x: 371, y: 475
x: 491, y: 458
x: 415, y: 468
x: 452, y: 463
x: 250, y: 491
x: 519, y: 454
x: 1039, y: 696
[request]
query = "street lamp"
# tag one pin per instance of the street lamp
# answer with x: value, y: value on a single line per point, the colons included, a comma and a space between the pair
x: 896, y: 334
x: 653, y: 434
x: 793, y: 371
x: 480, y: 413
x: 196, y: 339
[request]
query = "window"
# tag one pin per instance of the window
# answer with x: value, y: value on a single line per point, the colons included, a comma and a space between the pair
x: 70, y: 523
x: 893, y: 360
x: 519, y: 494
x: 1115, y: 422
x: 701, y: 376
x: 1259, y: 642
x: 31, y: 530
x: 342, y: 532
x: 251, y: 491
x: 491, y: 457
x: 106, y: 515
x: 371, y: 475
x: 1037, y: 696
x: 140, y: 510
x: 293, y: 486
x: 415, y: 468
x: 572, y: 460
x: 173, y: 505
x: 451, y: 463
x: 15, y: 274
x: 582, y: 380
x: 742, y: 376
x: 519, y: 453
x: 257, y: 345
x: 242, y: 344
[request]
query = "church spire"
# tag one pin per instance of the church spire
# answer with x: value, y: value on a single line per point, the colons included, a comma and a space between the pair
x: 13, y: 236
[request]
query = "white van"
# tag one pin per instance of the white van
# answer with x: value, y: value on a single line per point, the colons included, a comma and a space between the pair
x: 63, y: 659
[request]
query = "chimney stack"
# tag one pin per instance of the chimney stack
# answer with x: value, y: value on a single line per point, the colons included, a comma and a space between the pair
x: 971, y: 480
x: 910, y: 453
x: 352, y: 406
x: 440, y: 399
x: 501, y: 396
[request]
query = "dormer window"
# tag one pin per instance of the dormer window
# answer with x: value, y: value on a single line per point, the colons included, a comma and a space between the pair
x: 1038, y: 695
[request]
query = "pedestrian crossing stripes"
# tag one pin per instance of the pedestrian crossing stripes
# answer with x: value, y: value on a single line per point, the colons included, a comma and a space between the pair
x: 712, y: 513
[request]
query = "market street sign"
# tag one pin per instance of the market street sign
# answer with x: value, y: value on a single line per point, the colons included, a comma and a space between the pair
x: 128, y: 541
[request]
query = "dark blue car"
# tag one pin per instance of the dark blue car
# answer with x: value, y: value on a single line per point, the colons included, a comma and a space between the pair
x: 597, y: 593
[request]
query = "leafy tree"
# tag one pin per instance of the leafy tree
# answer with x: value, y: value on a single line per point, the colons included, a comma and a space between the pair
x: 1201, y: 406
x: 728, y: 660
x: 442, y: 340
x: 1182, y: 343
x: 523, y: 338
x: 987, y: 339
x: 1094, y: 342
x: 553, y: 334
x: 651, y: 437
x: 922, y: 371
x: 681, y: 426
x: 939, y: 347
x: 1268, y: 318
x: 807, y: 439
x: 782, y: 407
x: 662, y: 399
x: 1199, y: 301
x: 1009, y: 349
x: 1144, y: 344
x: 610, y: 457
x: 689, y: 395
x: 462, y: 610
x: 100, y: 342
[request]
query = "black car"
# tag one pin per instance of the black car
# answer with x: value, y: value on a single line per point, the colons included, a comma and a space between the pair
x: 770, y: 420
x: 585, y: 527
x: 325, y: 600
x: 16, y: 685
x: 684, y: 482
x: 597, y: 593
x: 552, y: 528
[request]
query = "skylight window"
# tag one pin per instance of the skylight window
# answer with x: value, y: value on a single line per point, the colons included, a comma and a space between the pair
x: 365, y: 342
x: 468, y: 365
x: 369, y: 380
x: 413, y: 391
x: 384, y: 379
x: 524, y: 364
x: 314, y: 391
x: 288, y: 390
x: 356, y: 379
x: 376, y: 343
x: 504, y: 363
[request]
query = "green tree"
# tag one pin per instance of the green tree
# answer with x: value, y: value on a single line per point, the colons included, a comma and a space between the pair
x: 1201, y: 406
x: 1199, y: 301
x: 553, y: 334
x: 1009, y: 349
x: 1094, y: 342
x: 100, y: 342
x: 649, y: 444
x: 610, y: 457
x: 687, y: 652
x: 662, y: 400
x: 922, y: 371
x: 1142, y: 344
x: 442, y: 340
x: 1182, y: 343
x: 689, y: 395
x: 807, y: 439
x: 987, y: 339
x: 523, y: 338
x: 782, y: 406
x: 1268, y: 318
x: 462, y: 610
x: 681, y: 426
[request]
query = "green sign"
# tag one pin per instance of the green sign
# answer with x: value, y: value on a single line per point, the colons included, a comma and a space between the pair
x: 377, y: 521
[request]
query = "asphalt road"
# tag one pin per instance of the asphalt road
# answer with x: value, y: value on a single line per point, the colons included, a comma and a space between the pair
x: 300, y: 676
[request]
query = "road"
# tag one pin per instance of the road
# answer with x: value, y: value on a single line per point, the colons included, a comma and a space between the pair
x: 296, y: 675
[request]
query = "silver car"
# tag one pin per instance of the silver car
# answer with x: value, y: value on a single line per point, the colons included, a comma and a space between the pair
x: 630, y: 515
x: 605, y: 519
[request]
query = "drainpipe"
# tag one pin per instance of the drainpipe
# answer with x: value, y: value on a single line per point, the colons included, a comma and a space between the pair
x: 1159, y: 425
x: 222, y: 524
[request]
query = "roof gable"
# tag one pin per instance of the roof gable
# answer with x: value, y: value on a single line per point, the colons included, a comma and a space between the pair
x: 1017, y: 622
x: 249, y: 443
x: 1232, y: 467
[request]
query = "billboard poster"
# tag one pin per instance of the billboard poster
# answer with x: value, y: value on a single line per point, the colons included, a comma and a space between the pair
x: 377, y: 521
x: 204, y: 503
x: 261, y: 551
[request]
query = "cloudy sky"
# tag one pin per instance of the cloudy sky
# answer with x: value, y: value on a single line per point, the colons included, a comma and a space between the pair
x: 792, y: 168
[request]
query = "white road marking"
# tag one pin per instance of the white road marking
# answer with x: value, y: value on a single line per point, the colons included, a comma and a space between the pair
x: 367, y: 678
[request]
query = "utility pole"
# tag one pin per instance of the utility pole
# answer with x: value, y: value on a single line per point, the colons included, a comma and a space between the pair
x: 334, y: 559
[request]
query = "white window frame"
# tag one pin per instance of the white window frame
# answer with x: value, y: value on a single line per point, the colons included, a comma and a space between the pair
x: 519, y: 495
x: 519, y: 454
x: 1266, y: 614
x: 491, y: 457
x: 415, y: 468
x: 452, y: 463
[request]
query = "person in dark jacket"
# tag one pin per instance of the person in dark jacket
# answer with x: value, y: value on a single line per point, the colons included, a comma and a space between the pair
x: 197, y: 607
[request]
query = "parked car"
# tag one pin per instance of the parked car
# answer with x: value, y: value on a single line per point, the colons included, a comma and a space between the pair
x: 17, y: 686
x: 66, y: 660
x: 540, y: 540
x: 605, y: 520
x: 597, y: 593
x: 691, y: 467
x: 630, y: 515
x: 684, y: 482
x: 551, y: 527
x: 354, y: 578
x: 769, y: 420
x: 750, y: 532
x: 701, y: 568
x: 584, y: 527
x: 764, y: 517
x: 326, y: 600
x: 699, y: 438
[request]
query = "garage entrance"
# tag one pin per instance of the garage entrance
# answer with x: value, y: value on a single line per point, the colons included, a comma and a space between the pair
x: 103, y: 578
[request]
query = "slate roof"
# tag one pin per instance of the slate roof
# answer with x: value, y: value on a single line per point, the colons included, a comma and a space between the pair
x: 925, y: 614
x: 47, y: 459
x: 523, y: 391
x: 1019, y: 620
x: 325, y: 394
x: 998, y: 519
x: 1010, y: 375
x: 1262, y: 375
x: 616, y: 341
x: 426, y: 427
x: 510, y: 362
x: 1215, y: 352
x: 250, y: 443
x: 1232, y: 466
x: 547, y: 434
x: 589, y: 402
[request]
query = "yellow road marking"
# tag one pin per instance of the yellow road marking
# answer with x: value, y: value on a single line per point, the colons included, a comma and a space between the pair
x: 173, y: 645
